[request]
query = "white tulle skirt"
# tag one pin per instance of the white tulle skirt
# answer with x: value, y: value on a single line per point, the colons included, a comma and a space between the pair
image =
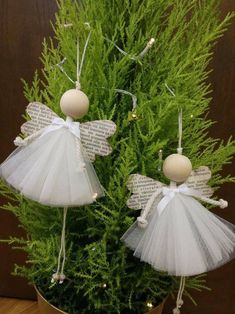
x: 185, y: 240
x: 47, y: 171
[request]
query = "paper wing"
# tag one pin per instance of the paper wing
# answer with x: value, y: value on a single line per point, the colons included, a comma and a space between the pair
x: 198, y: 181
x: 41, y: 116
x: 94, y: 136
x: 142, y: 188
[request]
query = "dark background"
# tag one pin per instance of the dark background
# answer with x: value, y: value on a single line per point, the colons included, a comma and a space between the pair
x: 23, y: 25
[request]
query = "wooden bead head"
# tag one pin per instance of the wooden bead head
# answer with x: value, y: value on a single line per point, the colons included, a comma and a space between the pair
x: 74, y: 103
x: 177, y: 167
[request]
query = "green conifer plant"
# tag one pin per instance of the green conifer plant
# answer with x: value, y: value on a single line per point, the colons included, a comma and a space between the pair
x: 103, y: 276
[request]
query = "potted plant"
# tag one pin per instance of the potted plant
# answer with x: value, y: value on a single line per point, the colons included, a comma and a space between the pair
x: 102, y: 275
x: 46, y: 308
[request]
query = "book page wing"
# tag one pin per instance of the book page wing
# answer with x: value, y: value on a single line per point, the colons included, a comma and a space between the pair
x: 198, y: 181
x: 41, y: 116
x: 94, y: 136
x: 142, y: 188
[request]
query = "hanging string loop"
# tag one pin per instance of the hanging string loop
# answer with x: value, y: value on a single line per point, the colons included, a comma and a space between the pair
x: 79, y: 64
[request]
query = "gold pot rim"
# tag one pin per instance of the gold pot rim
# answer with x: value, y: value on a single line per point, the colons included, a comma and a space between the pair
x: 159, y: 307
x: 49, y: 304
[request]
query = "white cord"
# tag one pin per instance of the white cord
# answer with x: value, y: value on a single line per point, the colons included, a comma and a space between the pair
x: 182, y: 291
x: 62, y: 276
x: 78, y: 63
x: 59, y: 257
x: 60, y: 66
x: 180, y: 123
x: 59, y: 275
x: 119, y: 49
x: 134, y: 98
x: 150, y: 202
x: 80, y: 66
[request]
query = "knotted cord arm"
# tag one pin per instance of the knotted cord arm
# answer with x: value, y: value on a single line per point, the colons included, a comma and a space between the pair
x: 142, y: 222
x: 19, y: 141
x: 221, y: 203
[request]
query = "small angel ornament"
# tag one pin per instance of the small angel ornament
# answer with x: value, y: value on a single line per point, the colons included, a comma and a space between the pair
x: 53, y: 164
x: 175, y: 233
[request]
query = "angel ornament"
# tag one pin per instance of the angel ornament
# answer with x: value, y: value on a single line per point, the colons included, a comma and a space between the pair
x: 53, y: 164
x: 175, y: 233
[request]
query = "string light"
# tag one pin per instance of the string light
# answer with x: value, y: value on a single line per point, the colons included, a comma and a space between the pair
x: 95, y: 196
x: 140, y: 55
x: 67, y: 25
x: 146, y: 49
x: 160, y: 155
x: 133, y: 116
x: 149, y: 305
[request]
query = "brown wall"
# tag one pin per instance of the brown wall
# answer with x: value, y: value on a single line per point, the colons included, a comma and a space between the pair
x: 23, y: 24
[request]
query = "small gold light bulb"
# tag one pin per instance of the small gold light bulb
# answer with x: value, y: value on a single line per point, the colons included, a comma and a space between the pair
x: 95, y: 196
x: 149, y: 305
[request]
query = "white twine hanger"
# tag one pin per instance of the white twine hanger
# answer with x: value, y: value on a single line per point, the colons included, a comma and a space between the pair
x: 60, y: 66
x: 180, y: 123
x: 180, y: 132
x: 79, y: 64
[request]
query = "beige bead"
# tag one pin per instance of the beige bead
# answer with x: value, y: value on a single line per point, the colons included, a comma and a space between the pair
x: 74, y: 103
x: 177, y: 167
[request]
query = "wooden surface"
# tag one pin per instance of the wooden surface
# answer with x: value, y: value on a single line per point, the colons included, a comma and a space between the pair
x: 15, y: 306
x: 23, y: 24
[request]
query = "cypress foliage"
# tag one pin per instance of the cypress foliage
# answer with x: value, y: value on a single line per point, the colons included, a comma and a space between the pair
x: 104, y: 277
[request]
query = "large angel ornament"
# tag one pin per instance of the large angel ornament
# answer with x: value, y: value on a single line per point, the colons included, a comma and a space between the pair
x: 175, y: 233
x: 53, y: 164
